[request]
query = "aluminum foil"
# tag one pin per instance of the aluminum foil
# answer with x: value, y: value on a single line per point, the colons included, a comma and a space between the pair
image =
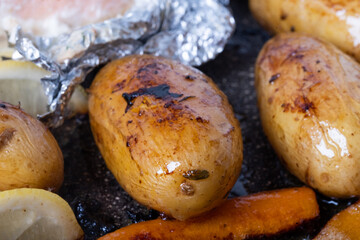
x: 189, y: 31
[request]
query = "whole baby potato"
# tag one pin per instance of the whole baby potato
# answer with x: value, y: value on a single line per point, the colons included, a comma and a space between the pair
x: 29, y: 154
x: 336, y: 21
x: 309, y: 100
x: 167, y: 133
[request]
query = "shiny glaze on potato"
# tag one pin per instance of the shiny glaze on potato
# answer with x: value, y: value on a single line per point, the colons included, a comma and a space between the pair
x: 337, y: 21
x: 167, y: 133
x: 309, y: 100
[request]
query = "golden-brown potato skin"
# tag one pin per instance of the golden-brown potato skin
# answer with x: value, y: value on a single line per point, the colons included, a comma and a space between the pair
x: 344, y: 225
x: 309, y: 100
x: 336, y: 21
x: 176, y: 146
x: 29, y: 154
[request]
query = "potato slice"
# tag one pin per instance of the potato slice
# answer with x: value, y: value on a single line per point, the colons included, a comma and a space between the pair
x: 35, y: 214
x: 20, y: 84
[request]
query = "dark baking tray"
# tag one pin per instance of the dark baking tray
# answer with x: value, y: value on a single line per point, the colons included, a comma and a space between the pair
x: 102, y: 206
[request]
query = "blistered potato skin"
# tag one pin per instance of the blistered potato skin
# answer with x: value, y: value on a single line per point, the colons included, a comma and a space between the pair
x: 29, y: 154
x: 336, y: 21
x: 151, y: 145
x: 309, y: 101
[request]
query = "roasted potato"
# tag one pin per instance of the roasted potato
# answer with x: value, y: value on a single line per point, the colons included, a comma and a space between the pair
x: 167, y: 133
x: 309, y: 100
x: 344, y: 225
x: 29, y: 154
x: 336, y: 21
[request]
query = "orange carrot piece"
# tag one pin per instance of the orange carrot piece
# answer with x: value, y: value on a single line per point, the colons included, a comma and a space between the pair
x: 345, y: 225
x: 264, y: 213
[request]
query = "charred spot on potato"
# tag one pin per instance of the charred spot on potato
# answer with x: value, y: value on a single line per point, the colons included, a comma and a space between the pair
x: 119, y: 86
x: 6, y: 136
x: 292, y: 29
x: 141, y: 112
x: 131, y: 140
x: 168, y: 104
x: 274, y: 78
x: 293, y: 55
x: 150, y: 67
x: 283, y: 16
x: 303, y: 103
x: 146, y: 74
x: 286, y: 107
x: 201, y: 120
x: 270, y: 100
x: 187, y: 189
x: 317, y: 61
x: 304, y: 68
x: 196, y: 174
x: 159, y: 92
x: 177, y: 107
x: 2, y: 105
x: 190, y: 77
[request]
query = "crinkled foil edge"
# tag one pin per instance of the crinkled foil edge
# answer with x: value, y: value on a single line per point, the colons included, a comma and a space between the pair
x: 192, y: 32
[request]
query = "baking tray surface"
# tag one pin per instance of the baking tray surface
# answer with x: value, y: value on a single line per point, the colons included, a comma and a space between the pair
x: 102, y: 206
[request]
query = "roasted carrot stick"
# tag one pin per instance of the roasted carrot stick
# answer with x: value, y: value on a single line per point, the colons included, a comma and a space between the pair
x: 345, y: 225
x: 264, y: 213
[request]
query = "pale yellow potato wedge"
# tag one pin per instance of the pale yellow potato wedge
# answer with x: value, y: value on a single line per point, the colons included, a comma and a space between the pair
x: 36, y: 214
x: 20, y: 84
